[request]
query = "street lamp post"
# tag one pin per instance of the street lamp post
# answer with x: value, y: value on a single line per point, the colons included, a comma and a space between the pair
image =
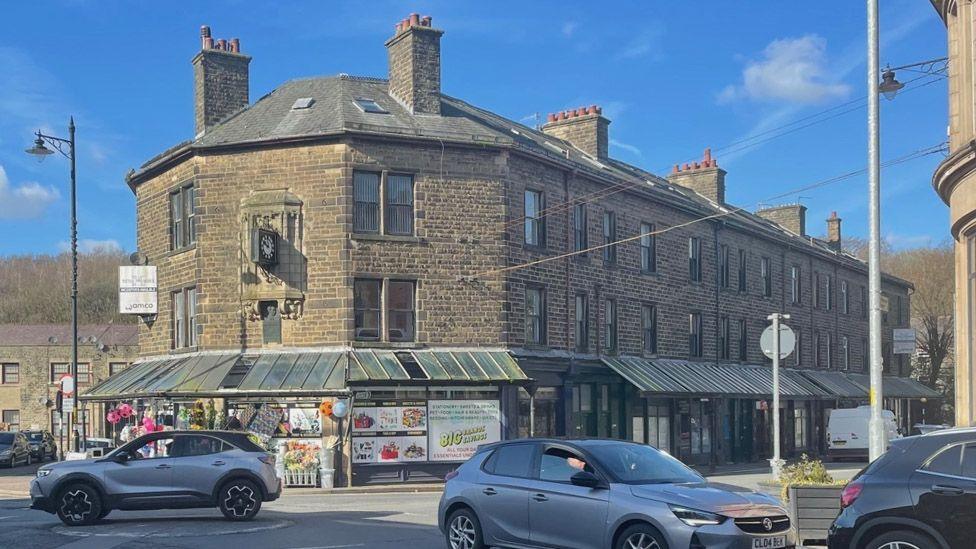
x: 40, y: 150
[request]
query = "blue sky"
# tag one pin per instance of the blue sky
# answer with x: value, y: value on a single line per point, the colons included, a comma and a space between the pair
x: 674, y: 77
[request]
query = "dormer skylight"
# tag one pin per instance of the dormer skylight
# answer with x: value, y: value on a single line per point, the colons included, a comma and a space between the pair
x: 302, y: 103
x: 370, y: 106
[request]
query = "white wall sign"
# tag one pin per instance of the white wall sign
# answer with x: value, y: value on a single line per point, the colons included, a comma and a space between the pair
x: 457, y: 427
x: 137, y: 290
x: 903, y: 341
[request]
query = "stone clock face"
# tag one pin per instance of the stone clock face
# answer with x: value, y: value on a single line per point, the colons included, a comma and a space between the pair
x: 267, y: 246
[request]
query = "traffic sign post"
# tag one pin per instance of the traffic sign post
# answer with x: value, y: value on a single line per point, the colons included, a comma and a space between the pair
x: 67, y: 392
x: 777, y: 335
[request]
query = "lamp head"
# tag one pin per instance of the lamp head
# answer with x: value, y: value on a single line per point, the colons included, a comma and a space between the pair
x: 889, y: 86
x: 39, y: 149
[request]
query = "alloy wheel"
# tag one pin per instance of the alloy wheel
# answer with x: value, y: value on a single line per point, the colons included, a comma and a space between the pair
x: 76, y: 505
x: 641, y: 540
x: 462, y: 534
x: 899, y: 545
x: 240, y: 500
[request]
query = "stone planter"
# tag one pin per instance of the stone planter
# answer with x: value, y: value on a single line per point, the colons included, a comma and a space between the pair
x: 813, y: 509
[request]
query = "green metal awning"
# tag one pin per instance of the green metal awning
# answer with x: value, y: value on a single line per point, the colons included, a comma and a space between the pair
x: 445, y: 366
x: 294, y: 374
x: 897, y: 387
x: 837, y: 384
x: 669, y: 376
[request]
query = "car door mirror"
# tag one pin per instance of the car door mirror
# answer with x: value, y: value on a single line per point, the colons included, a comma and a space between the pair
x: 121, y: 458
x: 585, y: 479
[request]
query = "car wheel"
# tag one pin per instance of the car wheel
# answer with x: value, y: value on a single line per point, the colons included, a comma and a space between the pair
x: 79, y: 505
x: 104, y: 513
x: 239, y: 500
x: 640, y: 536
x: 464, y: 530
x: 901, y: 539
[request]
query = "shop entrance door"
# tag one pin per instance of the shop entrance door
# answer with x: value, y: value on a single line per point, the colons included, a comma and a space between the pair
x: 597, y: 410
x: 740, y: 411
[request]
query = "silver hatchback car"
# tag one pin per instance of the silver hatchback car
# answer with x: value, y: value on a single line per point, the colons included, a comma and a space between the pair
x: 164, y: 470
x: 591, y: 494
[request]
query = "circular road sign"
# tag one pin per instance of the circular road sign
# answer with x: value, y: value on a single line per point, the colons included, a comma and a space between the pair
x: 67, y: 385
x: 787, y: 341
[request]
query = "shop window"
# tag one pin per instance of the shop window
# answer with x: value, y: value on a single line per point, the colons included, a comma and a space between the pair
x: 609, y: 237
x: 535, y: 221
x: 724, y: 338
x: 580, y: 237
x: 535, y: 316
x: 11, y: 419
x: 184, y: 312
x: 582, y: 323
x: 700, y: 422
x: 695, y: 334
x: 742, y: 271
x: 694, y: 259
x: 796, y: 296
x: 512, y: 460
x: 766, y: 270
x: 610, y: 325
x: 558, y: 465
x: 800, y: 415
x: 648, y: 248
x: 10, y: 374
x: 659, y: 427
x: 399, y: 204
x: 649, y: 331
x: 366, y: 202
x: 183, y: 230
x: 544, y: 408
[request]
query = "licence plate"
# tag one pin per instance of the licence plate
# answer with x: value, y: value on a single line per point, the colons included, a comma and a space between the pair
x: 774, y: 542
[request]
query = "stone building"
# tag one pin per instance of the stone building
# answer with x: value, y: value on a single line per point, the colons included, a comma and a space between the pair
x: 33, y: 358
x: 381, y: 240
x: 955, y: 182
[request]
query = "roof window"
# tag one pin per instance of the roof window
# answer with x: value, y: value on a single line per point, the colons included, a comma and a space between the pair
x: 302, y: 103
x: 369, y: 105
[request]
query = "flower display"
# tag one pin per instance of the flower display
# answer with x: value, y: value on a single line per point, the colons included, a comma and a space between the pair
x: 113, y: 416
x: 125, y: 411
x: 301, y: 456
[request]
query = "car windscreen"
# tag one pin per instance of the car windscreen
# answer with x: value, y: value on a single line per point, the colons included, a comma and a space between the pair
x: 36, y: 437
x: 6, y: 439
x: 638, y: 464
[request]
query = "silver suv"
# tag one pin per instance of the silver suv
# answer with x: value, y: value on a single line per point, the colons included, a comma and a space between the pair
x: 579, y: 494
x: 164, y: 470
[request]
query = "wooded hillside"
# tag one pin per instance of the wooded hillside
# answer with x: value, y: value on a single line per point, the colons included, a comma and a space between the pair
x: 36, y: 289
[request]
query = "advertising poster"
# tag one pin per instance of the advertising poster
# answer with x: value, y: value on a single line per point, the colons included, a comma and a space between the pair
x: 364, y: 420
x: 389, y: 432
x: 364, y: 450
x: 457, y: 427
x: 137, y: 290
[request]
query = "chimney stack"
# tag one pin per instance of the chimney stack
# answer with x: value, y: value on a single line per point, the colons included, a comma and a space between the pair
x: 415, y: 64
x: 704, y: 177
x: 792, y: 217
x: 584, y: 127
x: 833, y: 233
x: 220, y: 80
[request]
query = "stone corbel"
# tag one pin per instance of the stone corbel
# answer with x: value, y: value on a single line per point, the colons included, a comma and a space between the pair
x: 293, y: 309
x: 250, y: 312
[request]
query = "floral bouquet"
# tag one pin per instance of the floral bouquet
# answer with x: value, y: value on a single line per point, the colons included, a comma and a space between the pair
x: 301, y: 456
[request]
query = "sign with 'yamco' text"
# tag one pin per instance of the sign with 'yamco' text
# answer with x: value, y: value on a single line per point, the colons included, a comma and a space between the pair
x: 455, y: 428
x: 137, y: 290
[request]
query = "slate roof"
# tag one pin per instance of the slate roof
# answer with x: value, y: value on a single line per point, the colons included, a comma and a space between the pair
x: 333, y: 112
x: 42, y: 334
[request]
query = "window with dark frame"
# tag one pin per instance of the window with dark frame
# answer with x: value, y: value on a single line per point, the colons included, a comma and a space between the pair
x: 743, y: 340
x: 796, y: 297
x: 401, y: 314
x: 10, y: 374
x: 816, y: 290
x: 399, y: 204
x: 864, y: 303
x: 724, y: 268
x: 580, y: 237
x: 648, y: 248
x: 610, y: 325
x: 766, y: 269
x: 845, y: 298
x: 742, y: 271
x: 116, y: 367
x: 830, y: 292
x: 817, y: 350
x: 366, y: 202
x: 60, y: 369
x: 829, y: 340
x: 865, y: 354
x: 846, y: 347
x: 649, y: 328
x: 535, y: 315
x: 12, y: 420
x: 609, y: 237
x: 798, y: 349
x: 367, y: 304
x: 183, y: 227
x: 183, y: 331
x: 582, y: 323
x: 535, y: 223
x: 694, y: 259
x: 695, y: 335
x: 724, y: 338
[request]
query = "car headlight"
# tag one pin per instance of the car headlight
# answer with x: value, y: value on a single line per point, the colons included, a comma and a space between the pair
x: 4, y: 452
x: 43, y: 472
x: 694, y: 517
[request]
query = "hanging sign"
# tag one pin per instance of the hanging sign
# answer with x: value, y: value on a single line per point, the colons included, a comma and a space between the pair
x: 137, y: 290
x: 903, y: 341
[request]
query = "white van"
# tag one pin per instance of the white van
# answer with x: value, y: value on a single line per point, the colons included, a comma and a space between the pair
x: 847, y: 431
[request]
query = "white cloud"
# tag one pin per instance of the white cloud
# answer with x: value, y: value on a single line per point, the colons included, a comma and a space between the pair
x: 626, y: 147
x: 89, y: 245
x: 646, y: 44
x: 569, y: 28
x: 792, y: 70
x: 27, y: 201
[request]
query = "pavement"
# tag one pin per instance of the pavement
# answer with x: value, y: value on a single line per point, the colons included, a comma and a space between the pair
x: 301, y: 519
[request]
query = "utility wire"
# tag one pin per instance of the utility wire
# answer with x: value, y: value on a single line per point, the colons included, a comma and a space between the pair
x: 824, y: 182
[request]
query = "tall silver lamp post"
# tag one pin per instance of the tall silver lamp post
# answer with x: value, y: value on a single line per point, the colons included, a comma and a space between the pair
x: 876, y: 437
x: 67, y: 148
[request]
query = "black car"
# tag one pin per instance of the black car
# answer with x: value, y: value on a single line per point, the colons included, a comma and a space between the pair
x: 14, y: 449
x: 42, y: 445
x: 921, y: 494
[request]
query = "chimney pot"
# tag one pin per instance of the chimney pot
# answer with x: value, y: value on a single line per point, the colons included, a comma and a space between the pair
x: 676, y: 169
x: 415, y: 65
x: 221, y: 85
x: 208, y: 43
x: 235, y: 45
x: 687, y: 166
x: 551, y: 117
x: 221, y: 44
x: 425, y: 21
x: 414, y: 19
